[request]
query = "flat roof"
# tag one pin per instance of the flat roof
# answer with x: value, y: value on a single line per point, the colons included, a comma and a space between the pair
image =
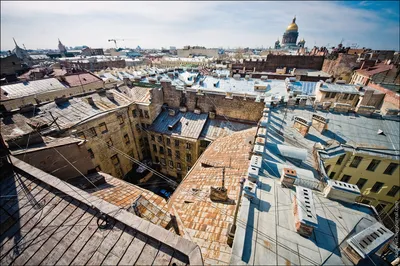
x: 344, y: 128
x: 215, y: 128
x: 341, y: 88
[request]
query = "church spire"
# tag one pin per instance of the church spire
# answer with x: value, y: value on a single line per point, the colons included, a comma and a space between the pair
x: 294, y: 19
x: 15, y: 42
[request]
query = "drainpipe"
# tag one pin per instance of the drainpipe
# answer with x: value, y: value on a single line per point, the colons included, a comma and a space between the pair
x: 232, y: 230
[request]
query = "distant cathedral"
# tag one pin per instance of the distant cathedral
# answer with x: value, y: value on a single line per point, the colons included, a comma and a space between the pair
x: 289, y: 39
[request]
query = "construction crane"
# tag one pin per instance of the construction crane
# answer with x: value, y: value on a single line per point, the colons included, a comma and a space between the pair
x: 115, y: 42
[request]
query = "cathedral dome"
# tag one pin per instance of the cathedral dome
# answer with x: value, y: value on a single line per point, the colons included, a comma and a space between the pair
x: 293, y: 26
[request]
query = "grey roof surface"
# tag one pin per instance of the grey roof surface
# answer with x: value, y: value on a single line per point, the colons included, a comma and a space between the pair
x: 189, y: 125
x: 215, y: 128
x: 31, y: 87
x: 351, y: 129
x: 46, y: 224
x: 304, y: 87
x: 341, y: 88
x: 266, y: 235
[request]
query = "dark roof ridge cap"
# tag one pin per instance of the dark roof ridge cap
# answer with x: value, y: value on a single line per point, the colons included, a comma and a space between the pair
x: 154, y: 231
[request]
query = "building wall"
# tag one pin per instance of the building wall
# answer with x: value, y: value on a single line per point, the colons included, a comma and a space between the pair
x: 272, y: 62
x: 371, y: 176
x: 197, y: 51
x: 11, y: 65
x: 342, y: 67
x: 358, y: 78
x: 322, y: 96
x: 50, y: 161
x: 171, y: 164
x: 391, y: 100
x: 236, y: 108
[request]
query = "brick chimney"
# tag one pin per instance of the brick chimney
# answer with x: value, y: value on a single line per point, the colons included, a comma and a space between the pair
x: 320, y: 123
x: 302, y: 125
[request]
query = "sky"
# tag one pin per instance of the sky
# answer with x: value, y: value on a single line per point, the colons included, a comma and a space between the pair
x: 371, y: 24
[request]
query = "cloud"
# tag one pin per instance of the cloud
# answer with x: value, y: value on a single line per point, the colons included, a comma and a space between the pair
x: 209, y: 23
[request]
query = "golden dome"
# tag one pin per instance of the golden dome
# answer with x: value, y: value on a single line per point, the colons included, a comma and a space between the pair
x: 293, y: 26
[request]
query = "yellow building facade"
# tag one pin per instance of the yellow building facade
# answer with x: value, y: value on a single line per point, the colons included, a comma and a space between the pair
x: 378, y: 177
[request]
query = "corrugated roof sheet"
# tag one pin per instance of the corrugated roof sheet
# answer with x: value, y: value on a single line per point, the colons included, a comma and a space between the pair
x: 31, y: 87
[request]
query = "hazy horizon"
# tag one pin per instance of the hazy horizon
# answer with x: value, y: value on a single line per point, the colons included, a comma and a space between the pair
x: 38, y: 25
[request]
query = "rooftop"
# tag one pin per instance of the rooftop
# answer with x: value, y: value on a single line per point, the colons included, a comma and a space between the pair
x: 344, y: 128
x: 370, y: 71
x: 341, y: 88
x: 186, y: 125
x: 203, y: 221
x: 26, y: 88
x: 266, y: 234
x: 47, y: 221
x: 215, y: 128
x: 80, y: 79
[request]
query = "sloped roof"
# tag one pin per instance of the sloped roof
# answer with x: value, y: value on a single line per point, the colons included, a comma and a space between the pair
x: 30, y: 87
x: 370, y: 71
x: 48, y: 221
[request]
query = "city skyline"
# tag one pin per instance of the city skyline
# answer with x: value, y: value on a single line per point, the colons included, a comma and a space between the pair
x: 211, y: 24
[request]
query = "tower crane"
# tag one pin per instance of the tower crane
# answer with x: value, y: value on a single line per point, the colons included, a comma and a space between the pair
x: 115, y: 42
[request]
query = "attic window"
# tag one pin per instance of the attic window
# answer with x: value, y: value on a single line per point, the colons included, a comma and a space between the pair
x: 5, y: 93
x: 380, y: 132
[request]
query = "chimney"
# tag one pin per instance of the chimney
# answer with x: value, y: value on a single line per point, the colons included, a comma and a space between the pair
x: 371, y: 240
x: 110, y: 95
x: 90, y: 100
x: 288, y: 177
x: 341, y: 107
x: 365, y: 110
x: 305, y: 215
x: 320, y: 123
x: 343, y: 191
x: 302, y: 125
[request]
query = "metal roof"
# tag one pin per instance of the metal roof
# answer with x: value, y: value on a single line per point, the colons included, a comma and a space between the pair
x: 341, y: 88
x: 215, y: 128
x: 31, y: 87
x: 188, y: 125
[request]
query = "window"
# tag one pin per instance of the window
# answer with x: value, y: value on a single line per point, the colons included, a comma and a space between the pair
x: 162, y: 161
x: 332, y: 174
x: 333, y: 94
x: 178, y: 166
x: 115, y: 159
x: 352, y: 97
x: 159, y: 139
x: 134, y: 113
x: 152, y: 138
x: 109, y: 142
x: 365, y: 202
x: 91, y: 153
x: 138, y: 128
x: 204, y: 143
x: 13, y: 63
x: 177, y: 154
x: 188, y: 157
x: 176, y: 143
x: 156, y: 159
x: 92, y: 132
x: 188, y: 146
x: 126, y: 138
x: 169, y: 152
x: 373, y: 165
x: 81, y: 135
x: 141, y: 144
x: 143, y: 125
x: 356, y: 161
x: 98, y: 168
x: 391, y: 168
x: 393, y: 191
x: 379, y: 208
x: 377, y: 187
x: 361, y: 183
x: 168, y: 141
x: 103, y: 128
x: 161, y: 150
x: 154, y: 147
x: 340, y: 160
x: 146, y: 114
x: 140, y: 112
x: 188, y: 168
x: 171, y: 164
x: 345, y: 96
x: 120, y: 119
x: 345, y: 178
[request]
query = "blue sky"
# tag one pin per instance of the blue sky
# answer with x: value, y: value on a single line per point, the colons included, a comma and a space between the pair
x: 372, y: 24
